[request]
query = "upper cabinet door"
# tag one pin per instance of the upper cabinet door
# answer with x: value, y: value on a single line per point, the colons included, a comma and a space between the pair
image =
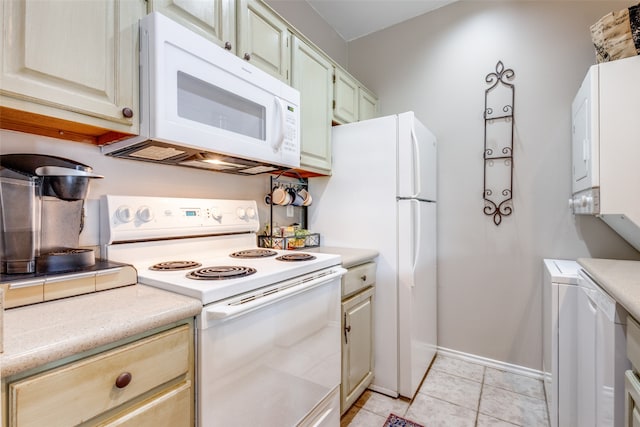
x: 213, y: 19
x: 75, y: 60
x: 263, y: 38
x: 367, y: 104
x: 311, y: 74
x: 346, y: 98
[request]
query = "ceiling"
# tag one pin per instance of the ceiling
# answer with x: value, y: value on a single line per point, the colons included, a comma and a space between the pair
x: 356, y: 18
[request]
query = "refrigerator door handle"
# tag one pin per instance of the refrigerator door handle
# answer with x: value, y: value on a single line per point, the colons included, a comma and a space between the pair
x: 417, y: 179
x: 416, y: 237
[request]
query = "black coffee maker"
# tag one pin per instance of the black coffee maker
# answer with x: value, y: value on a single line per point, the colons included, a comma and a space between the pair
x: 41, y: 213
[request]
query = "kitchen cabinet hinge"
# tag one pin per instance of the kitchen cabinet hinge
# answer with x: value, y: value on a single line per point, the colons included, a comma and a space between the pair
x: 334, y: 104
x: 334, y: 78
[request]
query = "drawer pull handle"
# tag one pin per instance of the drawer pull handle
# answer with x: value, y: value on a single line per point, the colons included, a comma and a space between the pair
x: 363, y: 277
x: 123, y: 380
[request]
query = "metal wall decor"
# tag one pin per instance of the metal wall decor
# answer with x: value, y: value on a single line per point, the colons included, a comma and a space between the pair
x: 498, y: 143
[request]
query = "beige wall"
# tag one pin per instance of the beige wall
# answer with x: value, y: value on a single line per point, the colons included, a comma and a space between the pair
x: 490, y: 277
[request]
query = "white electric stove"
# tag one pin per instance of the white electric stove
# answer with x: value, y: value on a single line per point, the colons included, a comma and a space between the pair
x: 268, y: 343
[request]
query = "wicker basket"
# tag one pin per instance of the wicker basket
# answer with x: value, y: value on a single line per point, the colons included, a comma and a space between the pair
x: 617, y: 35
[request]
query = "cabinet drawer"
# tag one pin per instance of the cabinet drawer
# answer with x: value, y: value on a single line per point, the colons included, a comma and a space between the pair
x: 170, y: 408
x: 358, y: 277
x: 115, y: 277
x: 82, y: 390
x: 633, y: 342
x: 23, y: 294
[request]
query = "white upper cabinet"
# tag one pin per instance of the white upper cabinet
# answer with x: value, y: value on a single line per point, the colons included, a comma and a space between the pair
x: 213, y: 19
x: 312, y: 75
x: 74, y: 61
x: 263, y: 38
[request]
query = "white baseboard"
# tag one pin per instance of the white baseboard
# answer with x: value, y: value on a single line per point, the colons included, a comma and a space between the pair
x: 503, y: 366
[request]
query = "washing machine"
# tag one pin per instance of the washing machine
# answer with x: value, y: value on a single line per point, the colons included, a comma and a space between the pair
x: 560, y: 293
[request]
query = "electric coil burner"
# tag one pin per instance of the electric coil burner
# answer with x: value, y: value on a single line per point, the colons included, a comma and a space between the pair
x: 174, y: 265
x: 254, y: 253
x: 221, y: 273
x: 296, y: 257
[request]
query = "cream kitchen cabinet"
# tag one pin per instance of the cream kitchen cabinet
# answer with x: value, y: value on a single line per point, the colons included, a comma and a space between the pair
x: 148, y: 382
x: 263, y: 38
x: 70, y: 69
x: 345, y: 95
x: 357, y: 338
x: 213, y: 19
x: 352, y: 101
x: 367, y: 104
x: 311, y: 74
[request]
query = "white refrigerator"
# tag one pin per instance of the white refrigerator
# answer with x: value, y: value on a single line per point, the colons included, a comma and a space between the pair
x: 382, y: 195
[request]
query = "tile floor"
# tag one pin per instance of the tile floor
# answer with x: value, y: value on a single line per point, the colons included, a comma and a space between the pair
x: 457, y: 393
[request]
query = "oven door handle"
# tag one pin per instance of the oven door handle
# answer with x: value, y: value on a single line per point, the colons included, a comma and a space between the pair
x: 246, y: 304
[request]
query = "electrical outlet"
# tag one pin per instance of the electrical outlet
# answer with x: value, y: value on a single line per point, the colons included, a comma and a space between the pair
x: 289, y: 211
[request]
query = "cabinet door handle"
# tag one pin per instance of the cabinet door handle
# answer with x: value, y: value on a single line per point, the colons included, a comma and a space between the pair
x: 247, y: 57
x: 363, y: 277
x: 227, y: 45
x: 127, y: 112
x: 123, y: 380
x: 347, y: 329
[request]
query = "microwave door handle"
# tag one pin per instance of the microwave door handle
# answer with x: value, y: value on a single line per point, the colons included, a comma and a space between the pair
x: 280, y: 135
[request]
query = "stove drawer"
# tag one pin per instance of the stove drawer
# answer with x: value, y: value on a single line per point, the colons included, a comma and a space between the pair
x: 358, y: 278
x: 82, y: 390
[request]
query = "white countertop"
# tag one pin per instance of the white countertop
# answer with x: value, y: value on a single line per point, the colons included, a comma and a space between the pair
x: 619, y: 278
x: 41, y: 333
x: 350, y: 256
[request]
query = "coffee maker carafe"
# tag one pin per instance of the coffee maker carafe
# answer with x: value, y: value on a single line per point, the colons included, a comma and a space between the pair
x: 41, y: 213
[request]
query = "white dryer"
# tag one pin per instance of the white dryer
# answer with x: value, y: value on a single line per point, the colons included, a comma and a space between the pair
x: 559, y: 346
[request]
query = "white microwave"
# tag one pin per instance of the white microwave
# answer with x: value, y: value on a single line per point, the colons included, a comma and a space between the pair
x: 203, y: 107
x: 606, y: 146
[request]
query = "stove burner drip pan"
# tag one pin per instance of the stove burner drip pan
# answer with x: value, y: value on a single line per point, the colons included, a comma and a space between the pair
x: 221, y: 273
x: 65, y: 259
x: 254, y: 253
x: 174, y: 265
x: 296, y: 257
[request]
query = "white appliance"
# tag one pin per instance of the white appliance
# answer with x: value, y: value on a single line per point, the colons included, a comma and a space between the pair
x: 268, y: 336
x: 559, y: 340
x: 382, y: 195
x: 601, y: 356
x: 606, y: 146
x: 203, y: 107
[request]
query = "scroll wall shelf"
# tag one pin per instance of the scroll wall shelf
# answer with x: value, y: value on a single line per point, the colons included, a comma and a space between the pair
x: 498, y: 143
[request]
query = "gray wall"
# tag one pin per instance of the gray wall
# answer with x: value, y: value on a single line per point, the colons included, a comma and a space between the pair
x: 304, y: 18
x: 130, y: 177
x: 490, y: 277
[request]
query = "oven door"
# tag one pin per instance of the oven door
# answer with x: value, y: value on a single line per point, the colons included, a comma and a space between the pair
x: 271, y: 357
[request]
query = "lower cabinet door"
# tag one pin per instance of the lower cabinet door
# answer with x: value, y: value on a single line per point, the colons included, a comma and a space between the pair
x: 357, y: 346
x: 171, y: 408
x: 631, y: 400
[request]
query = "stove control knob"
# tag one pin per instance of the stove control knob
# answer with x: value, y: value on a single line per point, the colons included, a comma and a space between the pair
x: 251, y: 213
x: 124, y: 213
x: 242, y: 214
x: 215, y: 214
x: 144, y: 214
